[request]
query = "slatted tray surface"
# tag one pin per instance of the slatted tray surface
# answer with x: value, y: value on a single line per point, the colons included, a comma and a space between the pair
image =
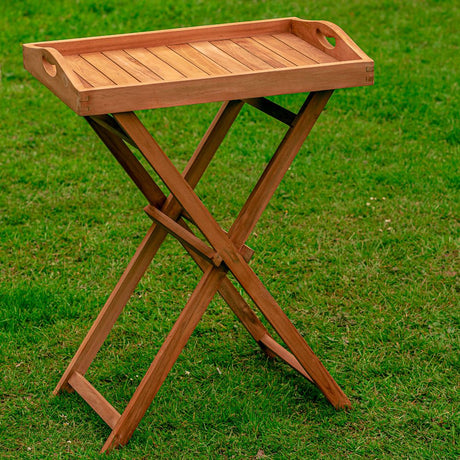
x: 202, y: 64
x: 194, y: 60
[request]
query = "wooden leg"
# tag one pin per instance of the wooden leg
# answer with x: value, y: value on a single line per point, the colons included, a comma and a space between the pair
x: 249, y: 319
x: 155, y: 196
x: 249, y: 215
x: 113, y: 307
x: 165, y: 358
x: 154, y: 238
x: 184, y: 201
x: 176, y: 340
x: 286, y: 330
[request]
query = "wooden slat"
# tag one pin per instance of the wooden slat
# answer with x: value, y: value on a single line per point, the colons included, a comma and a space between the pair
x: 217, y: 55
x: 169, y: 351
x: 263, y: 53
x: 184, y: 236
x: 88, y: 72
x: 271, y: 108
x: 305, y: 48
x: 199, y: 59
x: 177, y: 62
x: 109, y: 68
x: 85, y: 83
x: 242, y: 55
x: 132, y: 66
x: 155, y: 64
x: 100, y: 405
x: 283, y: 50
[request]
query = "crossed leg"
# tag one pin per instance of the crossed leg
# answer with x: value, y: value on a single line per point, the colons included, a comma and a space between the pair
x: 229, y: 247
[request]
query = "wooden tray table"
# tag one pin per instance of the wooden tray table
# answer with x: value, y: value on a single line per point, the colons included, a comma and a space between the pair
x: 105, y: 79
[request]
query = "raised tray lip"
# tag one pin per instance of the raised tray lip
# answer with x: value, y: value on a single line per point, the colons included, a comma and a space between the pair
x: 159, y: 31
x: 288, y: 21
x: 70, y: 89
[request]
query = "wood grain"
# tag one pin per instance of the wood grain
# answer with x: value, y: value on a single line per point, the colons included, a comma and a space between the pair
x: 225, y: 87
x: 199, y: 59
x: 155, y: 64
x: 197, y: 65
x: 177, y: 62
x: 168, y: 37
x: 88, y: 72
x: 282, y: 49
x: 184, y: 236
x: 242, y: 55
x: 109, y: 68
x: 132, y: 65
x: 99, y: 404
x: 305, y: 48
x: 262, y: 52
x: 219, y: 56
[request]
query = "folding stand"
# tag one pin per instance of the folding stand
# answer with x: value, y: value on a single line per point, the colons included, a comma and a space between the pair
x: 225, y: 251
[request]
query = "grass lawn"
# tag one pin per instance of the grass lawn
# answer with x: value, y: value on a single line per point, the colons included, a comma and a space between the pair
x: 359, y: 246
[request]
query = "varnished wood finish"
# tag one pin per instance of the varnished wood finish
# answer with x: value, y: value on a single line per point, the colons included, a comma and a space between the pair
x: 235, y: 62
x: 99, y: 404
x: 107, y: 122
x: 102, y: 75
x: 272, y: 109
x: 165, y: 358
x: 183, y: 235
x: 153, y: 239
x: 303, y: 359
x: 224, y: 248
x: 282, y: 353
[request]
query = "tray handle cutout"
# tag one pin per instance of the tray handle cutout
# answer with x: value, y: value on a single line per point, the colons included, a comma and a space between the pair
x: 329, y: 38
x: 48, y: 65
x: 49, y: 68
x: 326, y: 39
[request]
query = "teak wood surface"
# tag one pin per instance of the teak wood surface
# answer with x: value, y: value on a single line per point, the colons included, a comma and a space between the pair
x: 238, y: 63
x: 147, y: 70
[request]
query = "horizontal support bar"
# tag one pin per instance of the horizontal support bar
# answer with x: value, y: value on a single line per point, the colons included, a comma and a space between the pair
x: 183, y: 235
x: 272, y: 109
x: 110, y: 124
x: 193, y: 242
x: 245, y: 251
x: 285, y: 355
x: 100, y: 405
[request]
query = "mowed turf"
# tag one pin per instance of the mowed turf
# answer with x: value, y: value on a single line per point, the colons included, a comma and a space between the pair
x: 359, y: 246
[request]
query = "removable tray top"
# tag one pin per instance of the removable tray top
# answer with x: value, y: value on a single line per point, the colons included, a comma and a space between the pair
x: 166, y: 68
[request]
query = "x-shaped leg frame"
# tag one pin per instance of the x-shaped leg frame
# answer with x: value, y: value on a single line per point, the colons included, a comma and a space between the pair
x: 225, y: 252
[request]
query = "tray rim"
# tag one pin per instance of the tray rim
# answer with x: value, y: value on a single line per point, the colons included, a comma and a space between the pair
x: 68, y: 87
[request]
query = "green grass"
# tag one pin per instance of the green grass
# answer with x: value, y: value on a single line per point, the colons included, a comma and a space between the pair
x: 359, y: 246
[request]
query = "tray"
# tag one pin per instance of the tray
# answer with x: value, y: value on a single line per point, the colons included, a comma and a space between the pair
x: 121, y: 73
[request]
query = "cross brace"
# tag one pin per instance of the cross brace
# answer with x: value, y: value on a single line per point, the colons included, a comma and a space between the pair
x: 224, y: 252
